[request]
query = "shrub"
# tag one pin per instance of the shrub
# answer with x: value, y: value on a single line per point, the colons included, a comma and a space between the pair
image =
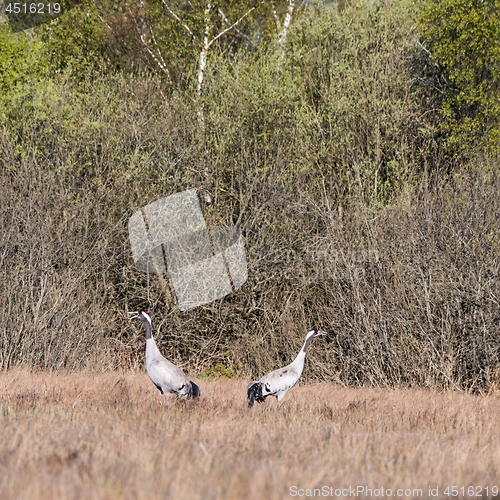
x: 463, y: 38
x: 19, y: 60
x: 399, y: 260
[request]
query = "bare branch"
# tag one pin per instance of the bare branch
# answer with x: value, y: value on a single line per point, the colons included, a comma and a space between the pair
x: 226, y: 20
x: 302, y: 5
x: 178, y: 18
x: 228, y: 47
x: 161, y: 63
x: 233, y: 25
x: 164, y: 64
x: 99, y: 16
x: 276, y: 18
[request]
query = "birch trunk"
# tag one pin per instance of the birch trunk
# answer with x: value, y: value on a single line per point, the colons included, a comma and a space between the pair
x: 286, y: 24
x: 205, y: 47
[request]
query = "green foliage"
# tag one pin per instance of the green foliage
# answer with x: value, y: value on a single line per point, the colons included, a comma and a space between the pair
x: 463, y: 37
x: 341, y: 110
x: 357, y: 95
x: 19, y: 59
x: 217, y: 371
x: 77, y: 39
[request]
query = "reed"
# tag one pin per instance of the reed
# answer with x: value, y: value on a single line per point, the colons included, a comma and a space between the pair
x: 106, y: 436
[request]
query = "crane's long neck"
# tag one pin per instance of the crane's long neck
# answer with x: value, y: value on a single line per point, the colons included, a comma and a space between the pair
x: 149, y: 331
x: 151, y: 347
x: 298, y: 362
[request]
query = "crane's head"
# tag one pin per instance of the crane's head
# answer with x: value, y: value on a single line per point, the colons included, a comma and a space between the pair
x: 311, y: 334
x: 141, y: 316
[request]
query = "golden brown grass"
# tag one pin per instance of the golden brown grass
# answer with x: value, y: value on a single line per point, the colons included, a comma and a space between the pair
x: 75, y: 435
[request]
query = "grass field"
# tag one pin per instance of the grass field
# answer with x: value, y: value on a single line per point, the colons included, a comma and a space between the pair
x: 76, y: 435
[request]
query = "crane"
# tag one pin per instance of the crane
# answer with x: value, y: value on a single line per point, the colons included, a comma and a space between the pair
x: 280, y: 381
x: 167, y: 377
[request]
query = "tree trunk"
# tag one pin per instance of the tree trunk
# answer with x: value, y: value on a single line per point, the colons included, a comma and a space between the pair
x: 204, y: 49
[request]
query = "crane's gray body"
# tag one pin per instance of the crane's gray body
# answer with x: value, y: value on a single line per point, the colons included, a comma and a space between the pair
x: 168, y: 378
x: 280, y: 381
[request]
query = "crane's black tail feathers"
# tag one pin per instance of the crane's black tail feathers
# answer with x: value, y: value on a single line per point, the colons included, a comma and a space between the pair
x: 254, y: 393
x: 195, y: 391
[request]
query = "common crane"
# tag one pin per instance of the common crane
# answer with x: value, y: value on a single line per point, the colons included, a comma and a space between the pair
x: 167, y: 377
x: 280, y: 381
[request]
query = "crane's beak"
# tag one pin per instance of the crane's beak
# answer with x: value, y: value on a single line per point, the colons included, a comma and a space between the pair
x: 321, y: 333
x: 136, y: 314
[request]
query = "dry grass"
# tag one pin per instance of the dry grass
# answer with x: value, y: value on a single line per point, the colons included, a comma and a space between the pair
x: 76, y: 435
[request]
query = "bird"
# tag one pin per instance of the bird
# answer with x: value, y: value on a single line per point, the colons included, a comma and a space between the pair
x: 280, y: 381
x: 167, y: 377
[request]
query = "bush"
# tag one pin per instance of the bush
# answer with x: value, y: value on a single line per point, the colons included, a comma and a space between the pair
x: 19, y: 60
x: 324, y: 161
x: 463, y: 38
x: 341, y: 112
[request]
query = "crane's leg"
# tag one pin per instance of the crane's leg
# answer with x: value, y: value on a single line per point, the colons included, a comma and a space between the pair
x: 161, y: 394
x: 279, y: 397
x: 160, y: 390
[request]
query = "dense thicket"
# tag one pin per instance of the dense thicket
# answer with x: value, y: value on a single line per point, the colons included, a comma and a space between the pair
x: 329, y: 159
